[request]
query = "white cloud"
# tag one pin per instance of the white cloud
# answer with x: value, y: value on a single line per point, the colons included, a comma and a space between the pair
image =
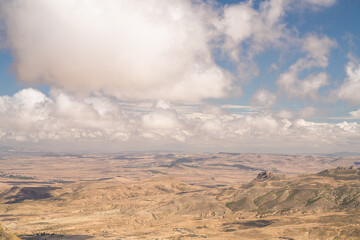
x: 263, y: 98
x: 307, y: 87
x: 30, y: 116
x: 350, y: 89
x: 320, y: 3
x: 263, y: 124
x: 232, y: 106
x: 318, y: 50
x: 355, y: 114
x: 242, y: 21
x: 26, y: 110
x: 248, y: 31
x: 128, y: 49
x: 160, y: 119
x: 285, y: 114
x: 273, y: 67
x: 307, y: 112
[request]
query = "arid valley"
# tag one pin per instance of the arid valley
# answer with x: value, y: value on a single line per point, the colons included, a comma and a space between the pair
x: 179, y: 196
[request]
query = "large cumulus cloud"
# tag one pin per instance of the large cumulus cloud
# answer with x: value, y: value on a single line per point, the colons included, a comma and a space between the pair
x: 128, y: 49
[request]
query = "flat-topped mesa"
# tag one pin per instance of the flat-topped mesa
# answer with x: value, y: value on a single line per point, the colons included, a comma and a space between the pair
x: 340, y: 169
x: 264, y: 175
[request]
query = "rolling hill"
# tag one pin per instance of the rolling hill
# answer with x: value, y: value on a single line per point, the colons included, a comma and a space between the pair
x: 324, y: 205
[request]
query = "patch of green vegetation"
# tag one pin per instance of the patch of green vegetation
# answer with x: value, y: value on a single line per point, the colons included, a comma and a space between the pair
x: 350, y: 199
x: 263, y: 198
x: 340, y: 192
x: 237, y: 205
x: 302, y: 194
x: 230, y: 204
x: 292, y: 194
x: 312, y: 200
x: 157, y: 172
x: 163, y: 188
x: 264, y: 211
x: 280, y: 192
x: 194, y: 235
x: 285, y: 210
x: 201, y: 227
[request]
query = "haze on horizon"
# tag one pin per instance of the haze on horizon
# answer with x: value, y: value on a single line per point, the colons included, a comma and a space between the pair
x: 280, y: 76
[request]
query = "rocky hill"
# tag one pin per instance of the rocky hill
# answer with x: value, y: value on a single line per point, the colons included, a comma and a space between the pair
x: 320, y: 206
x: 268, y: 194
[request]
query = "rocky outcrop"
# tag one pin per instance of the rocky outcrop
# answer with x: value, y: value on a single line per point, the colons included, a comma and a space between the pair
x: 264, y: 175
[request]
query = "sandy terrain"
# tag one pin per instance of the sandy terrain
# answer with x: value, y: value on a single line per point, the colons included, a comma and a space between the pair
x: 179, y: 196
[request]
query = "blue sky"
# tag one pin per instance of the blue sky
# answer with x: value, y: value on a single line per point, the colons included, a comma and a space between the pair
x: 181, y: 76
x: 338, y: 22
x: 8, y: 79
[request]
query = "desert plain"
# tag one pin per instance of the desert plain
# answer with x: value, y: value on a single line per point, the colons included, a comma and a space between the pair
x: 179, y: 196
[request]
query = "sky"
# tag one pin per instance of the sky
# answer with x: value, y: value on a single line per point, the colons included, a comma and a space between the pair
x: 274, y: 76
